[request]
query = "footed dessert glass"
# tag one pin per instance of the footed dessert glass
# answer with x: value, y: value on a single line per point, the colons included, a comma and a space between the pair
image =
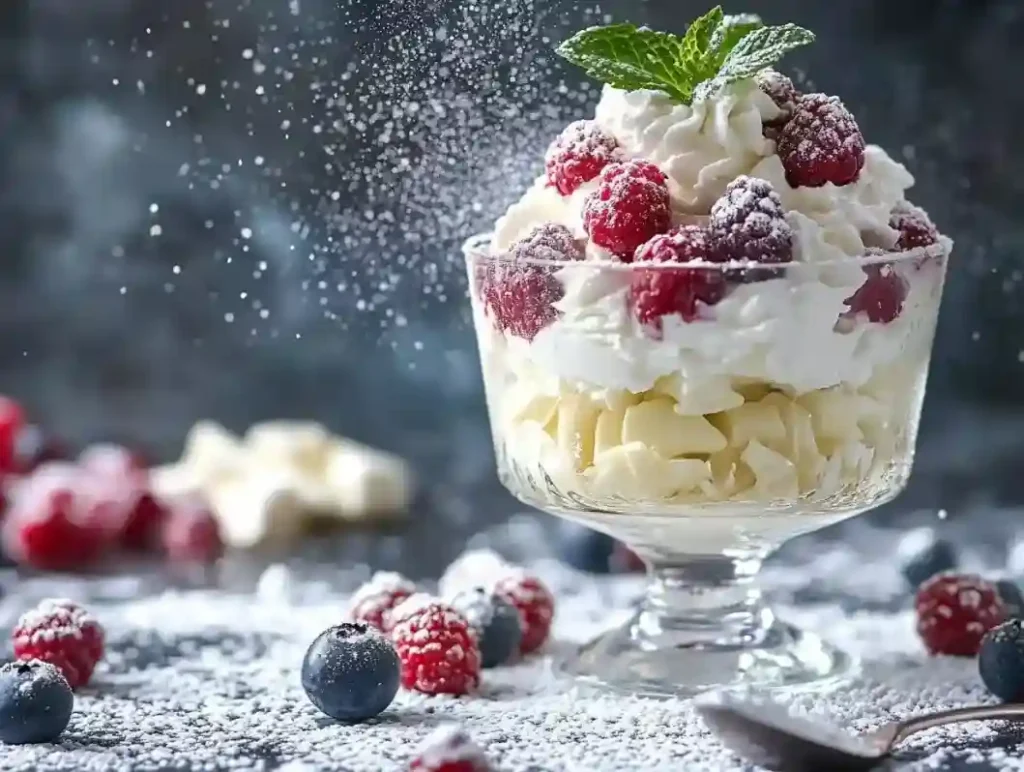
x: 784, y: 399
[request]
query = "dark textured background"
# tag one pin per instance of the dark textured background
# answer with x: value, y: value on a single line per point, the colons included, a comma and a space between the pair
x: 99, y: 120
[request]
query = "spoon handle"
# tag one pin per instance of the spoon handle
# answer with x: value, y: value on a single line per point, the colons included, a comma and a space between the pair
x: 912, y: 726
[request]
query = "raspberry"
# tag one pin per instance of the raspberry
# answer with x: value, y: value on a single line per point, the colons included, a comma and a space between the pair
x: 661, y: 291
x: 954, y: 611
x: 65, y: 635
x: 55, y: 521
x: 372, y: 603
x: 579, y: 154
x: 449, y: 749
x: 821, y: 143
x: 749, y: 223
x: 881, y: 296
x: 629, y: 208
x: 915, y: 227
x: 782, y: 92
x: 436, y: 646
x: 189, y: 533
x: 12, y: 419
x: 535, y: 604
x: 520, y: 296
x: 147, y: 516
x: 113, y: 461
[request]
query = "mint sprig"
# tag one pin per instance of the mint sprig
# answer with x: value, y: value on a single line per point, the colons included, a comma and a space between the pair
x: 717, y: 49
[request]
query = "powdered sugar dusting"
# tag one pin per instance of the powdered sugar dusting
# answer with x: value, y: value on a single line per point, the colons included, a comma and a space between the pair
x: 209, y: 680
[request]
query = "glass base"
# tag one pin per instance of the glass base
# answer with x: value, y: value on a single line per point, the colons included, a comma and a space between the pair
x: 785, y: 657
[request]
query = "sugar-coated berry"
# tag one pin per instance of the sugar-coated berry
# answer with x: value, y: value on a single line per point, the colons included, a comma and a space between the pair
x: 665, y: 289
x: 578, y: 155
x: 629, y: 207
x: 748, y: 222
x: 373, y: 601
x: 782, y: 92
x: 821, y: 143
x: 881, y: 297
x: 1012, y: 597
x: 1001, y: 661
x: 954, y: 611
x: 436, y: 647
x: 449, y: 749
x: 473, y: 568
x: 112, y: 460
x: 36, y: 702
x: 64, y: 634
x: 535, y: 603
x: 189, y: 532
x: 519, y: 295
x: 915, y: 228
x: 496, y: 622
x: 146, y: 523
x: 922, y: 554
x: 351, y: 672
x: 12, y: 419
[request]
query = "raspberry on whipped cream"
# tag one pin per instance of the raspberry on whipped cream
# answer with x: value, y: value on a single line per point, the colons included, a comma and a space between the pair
x: 629, y: 207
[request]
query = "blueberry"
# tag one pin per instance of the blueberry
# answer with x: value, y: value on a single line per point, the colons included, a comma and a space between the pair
x: 1001, y: 661
x: 1012, y: 598
x: 35, y: 702
x: 923, y: 555
x: 585, y: 549
x: 351, y: 672
x: 497, y: 623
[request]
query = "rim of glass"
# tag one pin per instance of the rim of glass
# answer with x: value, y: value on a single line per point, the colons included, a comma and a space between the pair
x: 478, y: 247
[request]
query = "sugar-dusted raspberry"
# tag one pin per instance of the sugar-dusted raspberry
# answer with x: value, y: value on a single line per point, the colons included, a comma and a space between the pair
x: 665, y: 289
x: 449, y: 749
x: 189, y: 532
x: 521, y: 296
x: 783, y: 93
x: 915, y: 227
x: 821, y: 143
x: 535, y: 603
x: 579, y: 154
x: 112, y: 460
x: 954, y: 611
x: 56, y: 520
x: 749, y: 223
x: 372, y: 603
x: 436, y: 646
x: 880, y: 298
x: 65, y: 635
x: 629, y: 208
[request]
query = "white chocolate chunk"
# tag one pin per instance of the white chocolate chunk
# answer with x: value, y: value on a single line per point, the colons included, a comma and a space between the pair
x: 608, y: 432
x: 753, y: 421
x: 365, y: 481
x: 634, y: 471
x: 834, y: 414
x: 577, y: 422
x: 708, y: 395
x: 300, y: 444
x: 657, y: 425
x: 257, y: 509
x: 526, y: 404
x: 776, y: 475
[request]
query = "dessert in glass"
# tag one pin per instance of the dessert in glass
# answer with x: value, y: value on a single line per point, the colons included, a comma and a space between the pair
x: 706, y: 329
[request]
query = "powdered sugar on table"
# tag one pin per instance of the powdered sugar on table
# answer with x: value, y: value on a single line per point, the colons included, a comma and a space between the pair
x: 202, y: 679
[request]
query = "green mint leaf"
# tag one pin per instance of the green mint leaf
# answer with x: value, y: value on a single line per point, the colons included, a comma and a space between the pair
x: 632, y: 58
x: 697, y: 46
x: 759, y: 48
x: 733, y: 29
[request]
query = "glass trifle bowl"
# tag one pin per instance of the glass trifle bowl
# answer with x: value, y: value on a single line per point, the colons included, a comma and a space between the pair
x: 703, y: 414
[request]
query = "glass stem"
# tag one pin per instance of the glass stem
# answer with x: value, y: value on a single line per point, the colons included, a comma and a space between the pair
x: 697, y: 601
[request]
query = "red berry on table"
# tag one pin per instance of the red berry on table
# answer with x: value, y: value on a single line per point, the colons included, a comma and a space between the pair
x: 65, y: 635
x: 144, y: 522
x: 915, y: 227
x: 749, y: 223
x: 521, y: 296
x: 579, y: 154
x: 880, y: 298
x: 821, y: 143
x: 665, y: 289
x: 954, y: 611
x: 12, y: 419
x: 190, y: 533
x: 782, y: 92
x: 436, y: 646
x: 449, y: 749
x: 535, y: 603
x: 54, y: 522
x: 372, y: 603
x: 630, y: 207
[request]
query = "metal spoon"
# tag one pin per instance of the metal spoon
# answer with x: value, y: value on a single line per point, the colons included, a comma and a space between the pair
x: 764, y: 734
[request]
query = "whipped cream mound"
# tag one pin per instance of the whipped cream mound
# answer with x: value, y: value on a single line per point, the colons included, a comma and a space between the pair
x: 269, y: 487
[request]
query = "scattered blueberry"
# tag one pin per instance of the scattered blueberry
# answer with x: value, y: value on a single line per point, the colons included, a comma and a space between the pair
x: 1001, y: 661
x: 922, y: 555
x: 35, y: 702
x: 351, y: 672
x: 585, y: 549
x: 1012, y: 598
x: 498, y: 626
